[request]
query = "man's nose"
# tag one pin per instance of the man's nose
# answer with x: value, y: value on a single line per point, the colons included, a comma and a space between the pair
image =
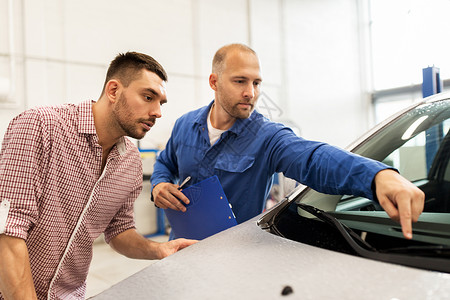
x: 249, y: 91
x: 155, y: 110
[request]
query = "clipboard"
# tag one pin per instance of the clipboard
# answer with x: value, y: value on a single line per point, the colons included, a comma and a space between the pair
x: 208, y: 212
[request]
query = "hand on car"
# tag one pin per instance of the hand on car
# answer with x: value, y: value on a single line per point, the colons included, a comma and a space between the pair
x: 170, y: 247
x: 401, y: 199
x: 167, y: 195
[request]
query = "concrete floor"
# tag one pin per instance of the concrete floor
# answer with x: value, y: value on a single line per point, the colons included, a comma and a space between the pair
x: 109, y: 267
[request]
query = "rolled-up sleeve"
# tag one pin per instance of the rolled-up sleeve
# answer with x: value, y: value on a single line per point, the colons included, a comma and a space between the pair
x: 22, y: 169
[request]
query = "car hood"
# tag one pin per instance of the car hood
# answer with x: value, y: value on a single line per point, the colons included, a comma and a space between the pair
x: 245, y: 262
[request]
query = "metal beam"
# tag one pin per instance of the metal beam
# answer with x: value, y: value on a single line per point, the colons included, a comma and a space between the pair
x: 415, y: 88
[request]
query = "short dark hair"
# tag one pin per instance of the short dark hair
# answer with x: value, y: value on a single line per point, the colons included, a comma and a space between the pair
x: 219, y: 57
x: 127, y: 67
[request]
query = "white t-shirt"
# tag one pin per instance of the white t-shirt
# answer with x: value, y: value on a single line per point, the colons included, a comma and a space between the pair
x: 214, y: 133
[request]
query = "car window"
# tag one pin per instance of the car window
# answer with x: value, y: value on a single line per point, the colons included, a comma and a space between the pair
x: 411, y: 159
x: 418, y: 146
x: 412, y: 151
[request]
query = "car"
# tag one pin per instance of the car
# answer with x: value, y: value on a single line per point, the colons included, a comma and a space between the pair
x: 317, y: 246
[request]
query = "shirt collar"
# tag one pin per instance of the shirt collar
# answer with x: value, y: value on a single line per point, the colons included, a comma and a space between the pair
x: 86, y: 124
x: 237, y: 127
x: 202, y: 115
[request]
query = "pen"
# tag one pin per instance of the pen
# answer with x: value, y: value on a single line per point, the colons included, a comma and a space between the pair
x: 184, y: 182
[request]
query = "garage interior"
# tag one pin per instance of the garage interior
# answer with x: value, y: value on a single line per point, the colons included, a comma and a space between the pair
x: 332, y: 69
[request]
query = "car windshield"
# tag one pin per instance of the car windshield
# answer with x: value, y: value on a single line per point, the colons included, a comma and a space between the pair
x: 417, y: 144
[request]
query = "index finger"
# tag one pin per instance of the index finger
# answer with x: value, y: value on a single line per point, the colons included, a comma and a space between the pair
x: 404, y: 210
x: 177, y: 193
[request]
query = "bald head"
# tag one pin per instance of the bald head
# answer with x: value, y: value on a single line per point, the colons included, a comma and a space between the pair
x: 218, y: 63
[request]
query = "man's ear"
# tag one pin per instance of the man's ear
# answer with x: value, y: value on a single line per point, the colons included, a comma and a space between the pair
x: 112, y: 89
x: 213, y: 81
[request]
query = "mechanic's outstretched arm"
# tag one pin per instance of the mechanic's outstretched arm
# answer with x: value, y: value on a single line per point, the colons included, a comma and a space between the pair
x: 166, y: 195
x: 401, y: 199
x: 133, y: 245
x: 16, y: 281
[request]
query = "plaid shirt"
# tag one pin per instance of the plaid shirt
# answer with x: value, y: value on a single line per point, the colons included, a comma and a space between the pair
x: 54, y: 195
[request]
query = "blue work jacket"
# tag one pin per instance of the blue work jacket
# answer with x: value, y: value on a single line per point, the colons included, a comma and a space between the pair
x: 246, y: 157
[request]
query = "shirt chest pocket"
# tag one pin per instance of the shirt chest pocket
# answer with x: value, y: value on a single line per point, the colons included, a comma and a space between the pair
x: 234, y: 163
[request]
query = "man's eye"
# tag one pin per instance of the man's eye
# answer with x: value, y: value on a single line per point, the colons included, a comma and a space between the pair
x: 148, y: 98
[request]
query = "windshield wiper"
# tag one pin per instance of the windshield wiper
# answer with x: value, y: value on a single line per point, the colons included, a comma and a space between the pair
x: 349, y: 235
x: 433, y: 257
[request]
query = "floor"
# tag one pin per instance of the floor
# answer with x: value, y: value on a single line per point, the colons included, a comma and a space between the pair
x: 108, y: 267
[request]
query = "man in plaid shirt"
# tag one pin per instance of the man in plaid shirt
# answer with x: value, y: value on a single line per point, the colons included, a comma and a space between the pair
x: 68, y: 174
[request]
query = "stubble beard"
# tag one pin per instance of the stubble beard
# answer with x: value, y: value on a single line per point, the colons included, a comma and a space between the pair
x: 124, y: 118
x: 239, y: 113
x: 233, y: 109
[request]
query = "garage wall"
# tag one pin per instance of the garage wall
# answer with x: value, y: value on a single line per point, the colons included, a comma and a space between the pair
x: 309, y: 52
x: 325, y: 88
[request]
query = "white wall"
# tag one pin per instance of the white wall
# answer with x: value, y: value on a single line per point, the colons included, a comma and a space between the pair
x: 308, y: 49
x: 324, y: 88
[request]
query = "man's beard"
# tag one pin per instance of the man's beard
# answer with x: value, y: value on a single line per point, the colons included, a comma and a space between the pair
x: 124, y: 119
x: 233, y: 109
x: 235, y: 112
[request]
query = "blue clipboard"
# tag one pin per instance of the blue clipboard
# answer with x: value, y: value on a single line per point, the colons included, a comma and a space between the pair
x: 208, y: 212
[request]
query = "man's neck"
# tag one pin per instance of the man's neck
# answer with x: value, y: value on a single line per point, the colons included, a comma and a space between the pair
x: 105, y: 133
x: 220, y: 119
